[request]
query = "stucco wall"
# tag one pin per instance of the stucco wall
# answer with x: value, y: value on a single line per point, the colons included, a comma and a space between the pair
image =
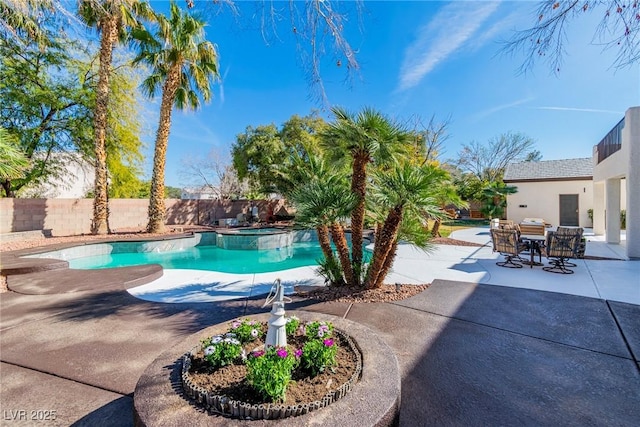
x: 542, y: 200
x: 66, y: 217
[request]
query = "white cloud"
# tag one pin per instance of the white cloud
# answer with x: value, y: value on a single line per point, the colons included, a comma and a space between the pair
x: 582, y: 110
x: 490, y: 111
x: 448, y: 31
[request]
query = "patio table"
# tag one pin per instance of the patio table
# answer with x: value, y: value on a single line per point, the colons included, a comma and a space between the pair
x: 536, y: 241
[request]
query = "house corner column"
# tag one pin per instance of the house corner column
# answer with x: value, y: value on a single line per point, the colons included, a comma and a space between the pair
x: 612, y: 234
x: 632, y: 123
x: 598, y: 209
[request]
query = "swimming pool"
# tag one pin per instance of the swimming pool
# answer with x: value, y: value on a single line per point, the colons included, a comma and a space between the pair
x: 211, y: 258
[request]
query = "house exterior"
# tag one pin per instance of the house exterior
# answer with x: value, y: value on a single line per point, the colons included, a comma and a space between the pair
x: 200, y: 193
x: 559, y: 191
x: 616, y: 182
x: 563, y: 191
x: 74, y: 181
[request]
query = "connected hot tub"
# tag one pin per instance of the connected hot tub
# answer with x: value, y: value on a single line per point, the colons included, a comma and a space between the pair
x: 254, y: 238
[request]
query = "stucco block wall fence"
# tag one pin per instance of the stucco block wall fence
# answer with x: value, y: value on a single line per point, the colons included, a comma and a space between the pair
x: 65, y: 217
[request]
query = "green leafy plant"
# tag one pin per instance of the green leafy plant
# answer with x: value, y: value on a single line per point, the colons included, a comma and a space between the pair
x: 269, y: 372
x: 330, y: 269
x: 221, y: 350
x: 623, y: 219
x: 247, y: 330
x: 292, y: 325
x: 316, y: 330
x: 317, y: 355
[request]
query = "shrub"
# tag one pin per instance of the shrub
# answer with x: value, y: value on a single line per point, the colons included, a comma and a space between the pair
x: 331, y: 270
x: 221, y: 350
x: 317, y: 355
x: 269, y: 372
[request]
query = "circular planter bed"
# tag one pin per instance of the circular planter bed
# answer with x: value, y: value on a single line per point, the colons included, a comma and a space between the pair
x: 160, y: 399
x: 233, y: 397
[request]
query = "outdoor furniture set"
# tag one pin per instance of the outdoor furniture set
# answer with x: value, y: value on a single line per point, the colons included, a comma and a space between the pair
x: 559, y: 246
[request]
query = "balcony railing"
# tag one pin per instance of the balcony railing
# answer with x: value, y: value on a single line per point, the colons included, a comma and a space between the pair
x: 611, y: 143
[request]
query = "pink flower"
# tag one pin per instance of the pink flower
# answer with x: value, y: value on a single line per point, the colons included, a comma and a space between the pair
x: 328, y: 342
x: 298, y: 353
x: 235, y: 324
x: 282, y: 352
x: 257, y: 353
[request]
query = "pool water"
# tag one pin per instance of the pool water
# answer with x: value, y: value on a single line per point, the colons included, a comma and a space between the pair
x: 212, y: 258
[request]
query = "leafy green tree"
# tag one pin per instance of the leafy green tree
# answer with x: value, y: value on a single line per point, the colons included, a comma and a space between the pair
x: 265, y: 154
x: 365, y: 137
x: 184, y: 66
x: 172, y: 192
x: 445, y: 194
x: 46, y: 102
x: 123, y: 143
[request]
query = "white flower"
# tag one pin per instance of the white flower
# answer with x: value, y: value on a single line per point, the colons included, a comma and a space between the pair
x: 216, y: 339
x: 209, y: 350
x: 254, y: 333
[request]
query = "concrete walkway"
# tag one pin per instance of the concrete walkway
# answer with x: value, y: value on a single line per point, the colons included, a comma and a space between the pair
x: 469, y: 353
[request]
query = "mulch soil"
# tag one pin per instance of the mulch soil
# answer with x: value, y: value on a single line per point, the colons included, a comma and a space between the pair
x: 231, y: 380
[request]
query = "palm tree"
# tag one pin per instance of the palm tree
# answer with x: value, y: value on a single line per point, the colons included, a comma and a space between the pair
x: 406, y: 193
x: 322, y: 201
x: 184, y: 65
x: 367, y: 137
x: 111, y: 18
x: 494, y: 198
x: 13, y: 162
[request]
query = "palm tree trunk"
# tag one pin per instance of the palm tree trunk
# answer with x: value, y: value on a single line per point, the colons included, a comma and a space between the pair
x: 358, y: 187
x: 6, y: 185
x: 100, y: 223
x: 323, y: 240
x: 383, y: 246
x: 156, y: 200
x: 337, y: 233
x: 435, y: 231
x: 388, y: 263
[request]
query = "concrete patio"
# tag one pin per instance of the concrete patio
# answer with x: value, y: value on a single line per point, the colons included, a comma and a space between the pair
x: 471, y: 350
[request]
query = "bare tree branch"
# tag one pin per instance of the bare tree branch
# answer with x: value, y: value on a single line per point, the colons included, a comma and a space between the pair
x: 619, y: 28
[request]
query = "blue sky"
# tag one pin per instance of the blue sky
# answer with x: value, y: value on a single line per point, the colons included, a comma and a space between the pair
x: 419, y: 58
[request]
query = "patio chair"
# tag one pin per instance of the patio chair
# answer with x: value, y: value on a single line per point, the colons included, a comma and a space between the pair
x: 507, y: 243
x: 525, y: 246
x: 560, y: 248
x: 528, y: 228
x: 571, y: 231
